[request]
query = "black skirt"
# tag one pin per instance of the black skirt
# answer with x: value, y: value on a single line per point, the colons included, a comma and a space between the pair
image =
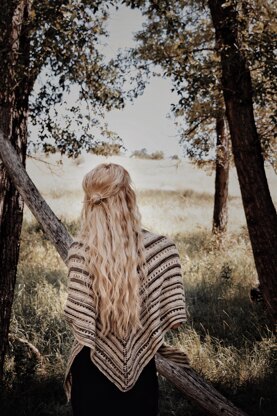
x: 93, y: 394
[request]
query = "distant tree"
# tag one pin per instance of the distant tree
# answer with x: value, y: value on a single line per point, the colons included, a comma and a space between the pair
x: 158, y: 155
x: 174, y: 157
x: 143, y: 154
x: 107, y: 149
x: 140, y: 154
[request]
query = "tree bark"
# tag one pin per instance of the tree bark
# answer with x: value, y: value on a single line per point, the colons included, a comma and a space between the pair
x: 185, y: 379
x: 52, y: 226
x: 258, y: 206
x: 13, y: 122
x: 197, y: 389
x: 220, y: 215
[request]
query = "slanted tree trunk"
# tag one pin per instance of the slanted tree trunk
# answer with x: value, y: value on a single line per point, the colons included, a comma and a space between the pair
x: 13, y: 121
x: 185, y: 379
x: 52, y: 226
x: 258, y: 206
x: 197, y: 389
x: 220, y: 215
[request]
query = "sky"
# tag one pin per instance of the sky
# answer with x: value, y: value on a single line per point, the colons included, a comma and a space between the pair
x: 142, y: 124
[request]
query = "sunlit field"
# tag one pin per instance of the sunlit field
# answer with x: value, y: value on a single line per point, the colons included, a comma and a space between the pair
x: 184, y: 201
x: 227, y: 337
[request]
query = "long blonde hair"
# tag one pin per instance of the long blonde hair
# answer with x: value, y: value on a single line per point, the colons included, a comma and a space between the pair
x: 112, y: 235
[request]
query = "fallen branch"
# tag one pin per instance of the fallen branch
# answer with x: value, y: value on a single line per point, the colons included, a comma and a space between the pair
x: 32, y: 348
x: 197, y: 389
x: 186, y: 380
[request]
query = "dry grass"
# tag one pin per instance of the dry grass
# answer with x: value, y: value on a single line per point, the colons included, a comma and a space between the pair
x: 190, y: 204
x: 226, y: 337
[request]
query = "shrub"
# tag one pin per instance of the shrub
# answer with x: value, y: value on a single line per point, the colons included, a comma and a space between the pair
x: 107, y: 149
x: 143, y: 154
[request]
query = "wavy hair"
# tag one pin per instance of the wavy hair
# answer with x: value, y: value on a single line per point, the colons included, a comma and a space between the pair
x: 112, y: 235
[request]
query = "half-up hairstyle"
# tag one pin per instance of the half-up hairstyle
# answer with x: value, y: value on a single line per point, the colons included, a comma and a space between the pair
x: 111, y: 239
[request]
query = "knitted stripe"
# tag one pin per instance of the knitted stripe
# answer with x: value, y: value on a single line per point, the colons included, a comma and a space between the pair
x: 163, y: 306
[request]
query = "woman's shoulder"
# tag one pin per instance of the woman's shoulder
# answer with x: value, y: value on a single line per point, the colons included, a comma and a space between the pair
x: 76, y: 243
x: 152, y: 239
x: 75, y: 252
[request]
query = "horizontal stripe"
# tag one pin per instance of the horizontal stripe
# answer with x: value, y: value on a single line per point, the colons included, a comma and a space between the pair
x: 79, y: 270
x: 163, y: 305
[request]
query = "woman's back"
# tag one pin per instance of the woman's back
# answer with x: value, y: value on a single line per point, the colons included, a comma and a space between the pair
x: 125, y: 289
x: 163, y: 306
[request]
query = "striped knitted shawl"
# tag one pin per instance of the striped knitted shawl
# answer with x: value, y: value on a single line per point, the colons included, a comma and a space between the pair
x: 163, y: 305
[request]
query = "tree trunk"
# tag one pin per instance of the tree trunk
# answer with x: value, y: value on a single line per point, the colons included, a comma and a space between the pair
x: 197, y: 389
x: 220, y: 216
x: 52, y: 226
x: 13, y: 122
x: 258, y: 206
x: 185, y: 379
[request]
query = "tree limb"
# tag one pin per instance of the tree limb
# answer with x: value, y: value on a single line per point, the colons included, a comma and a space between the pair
x: 197, y: 389
x: 52, y: 226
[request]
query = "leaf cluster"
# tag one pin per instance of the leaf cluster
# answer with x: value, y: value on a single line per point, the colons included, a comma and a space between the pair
x: 64, y: 42
x: 65, y: 69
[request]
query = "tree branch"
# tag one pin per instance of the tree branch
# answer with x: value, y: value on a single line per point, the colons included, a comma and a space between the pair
x: 52, y: 226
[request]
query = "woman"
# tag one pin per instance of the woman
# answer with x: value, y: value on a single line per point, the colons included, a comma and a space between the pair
x: 125, y: 290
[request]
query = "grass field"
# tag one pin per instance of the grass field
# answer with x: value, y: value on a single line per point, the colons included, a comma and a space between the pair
x: 227, y: 337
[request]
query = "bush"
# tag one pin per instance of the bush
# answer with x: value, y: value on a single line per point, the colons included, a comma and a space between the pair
x: 142, y: 154
x: 174, y: 157
x: 107, y: 149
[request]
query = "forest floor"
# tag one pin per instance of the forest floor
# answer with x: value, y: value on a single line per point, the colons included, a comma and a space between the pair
x: 227, y: 337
